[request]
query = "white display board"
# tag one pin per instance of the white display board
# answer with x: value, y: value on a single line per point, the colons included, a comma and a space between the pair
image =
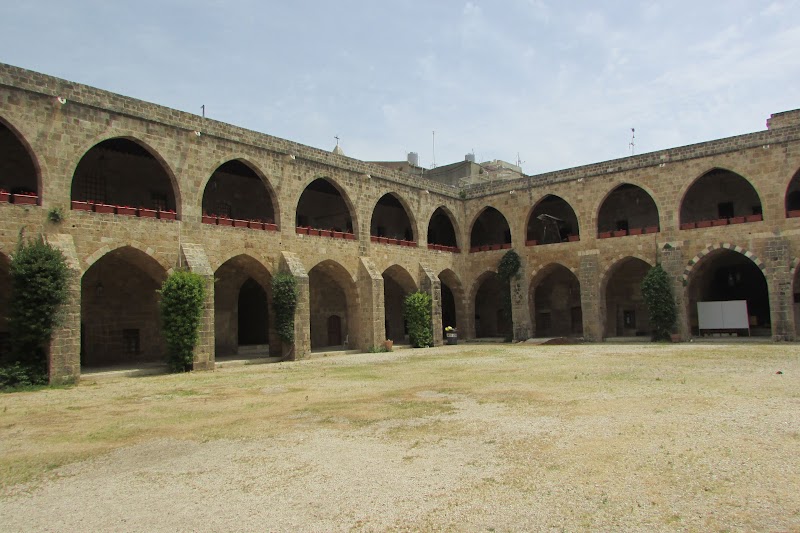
x: 731, y: 314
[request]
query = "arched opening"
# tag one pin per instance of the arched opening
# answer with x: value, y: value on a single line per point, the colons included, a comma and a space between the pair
x: 490, y: 231
x: 626, y: 312
x: 253, y: 314
x: 793, y: 197
x: 236, y: 191
x: 332, y: 293
x: 725, y: 275
x: 492, y: 312
x: 442, y: 232
x: 627, y: 210
x: 397, y: 284
x: 5, y: 297
x: 121, y: 172
x: 322, y: 206
x: 390, y: 220
x: 552, y: 220
x: 555, y: 299
x: 242, y: 309
x: 18, y: 173
x: 120, y: 321
x: 453, y: 310
x: 719, y: 197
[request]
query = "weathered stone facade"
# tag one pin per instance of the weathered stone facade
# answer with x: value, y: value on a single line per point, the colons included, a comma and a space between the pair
x: 64, y: 141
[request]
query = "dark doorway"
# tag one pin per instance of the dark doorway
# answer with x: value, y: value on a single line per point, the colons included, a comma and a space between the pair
x: 253, y: 314
x: 334, y: 330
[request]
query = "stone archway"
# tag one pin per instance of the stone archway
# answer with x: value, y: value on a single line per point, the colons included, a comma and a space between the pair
x: 332, y: 292
x: 719, y: 195
x: 625, y: 211
x: 391, y: 219
x: 490, y: 229
x: 243, y: 323
x: 441, y: 229
x: 122, y: 172
x: 555, y: 302
x: 120, y: 321
x: 235, y: 190
x: 323, y: 206
x: 18, y: 170
x: 552, y: 220
x: 397, y: 284
x: 492, y: 311
x: 725, y: 274
x: 626, y: 314
x: 453, y: 305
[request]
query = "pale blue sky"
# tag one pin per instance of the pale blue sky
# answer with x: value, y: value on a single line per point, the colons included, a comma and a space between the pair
x: 560, y: 83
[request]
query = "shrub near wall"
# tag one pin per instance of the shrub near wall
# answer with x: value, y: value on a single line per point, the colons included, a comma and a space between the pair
x: 182, y: 296
x: 284, y: 303
x: 657, y: 294
x: 417, y: 312
x: 38, y: 289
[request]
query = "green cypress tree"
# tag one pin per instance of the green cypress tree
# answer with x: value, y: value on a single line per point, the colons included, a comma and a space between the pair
x: 657, y: 294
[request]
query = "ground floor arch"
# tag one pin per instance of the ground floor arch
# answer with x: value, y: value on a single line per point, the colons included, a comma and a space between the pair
x: 555, y: 303
x: 453, y: 306
x: 333, y: 309
x: 120, y: 322
x: 492, y: 307
x: 626, y: 314
x: 397, y: 284
x: 725, y: 275
x: 243, y: 323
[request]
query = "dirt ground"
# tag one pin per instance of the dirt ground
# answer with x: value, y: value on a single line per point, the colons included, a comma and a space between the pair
x: 466, y: 438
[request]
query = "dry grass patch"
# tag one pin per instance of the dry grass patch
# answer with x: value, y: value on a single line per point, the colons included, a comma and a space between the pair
x: 647, y: 437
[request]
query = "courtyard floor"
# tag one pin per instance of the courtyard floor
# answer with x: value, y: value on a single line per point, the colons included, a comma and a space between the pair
x: 627, y: 437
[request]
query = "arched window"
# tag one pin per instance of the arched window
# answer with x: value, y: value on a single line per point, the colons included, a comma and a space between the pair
x: 627, y: 210
x: 718, y: 198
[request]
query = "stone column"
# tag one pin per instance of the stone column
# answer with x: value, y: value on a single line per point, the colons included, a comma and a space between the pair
x: 195, y: 258
x: 672, y: 261
x: 589, y: 276
x: 520, y: 312
x: 372, y: 328
x: 778, y: 261
x: 301, y: 347
x: 429, y: 283
x: 64, y: 354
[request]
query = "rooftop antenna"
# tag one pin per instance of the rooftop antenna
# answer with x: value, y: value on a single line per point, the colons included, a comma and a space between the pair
x: 632, y: 144
x: 519, y: 161
x: 203, y: 107
x: 337, y: 139
x: 434, y: 149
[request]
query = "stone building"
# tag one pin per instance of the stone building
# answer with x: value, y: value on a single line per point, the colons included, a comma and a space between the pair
x: 147, y: 189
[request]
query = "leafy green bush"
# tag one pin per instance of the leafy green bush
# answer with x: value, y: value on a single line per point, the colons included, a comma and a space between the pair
x: 506, y: 270
x: 657, y: 294
x: 182, y: 297
x: 38, y: 289
x: 417, y: 312
x: 284, y: 302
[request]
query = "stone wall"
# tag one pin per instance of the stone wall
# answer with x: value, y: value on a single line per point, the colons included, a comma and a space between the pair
x: 58, y: 135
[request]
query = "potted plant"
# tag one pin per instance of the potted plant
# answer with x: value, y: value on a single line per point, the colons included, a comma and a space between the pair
x: 635, y: 231
x: 350, y: 236
x: 313, y: 231
x: 338, y: 234
x: 144, y: 212
x: 720, y: 222
x: 651, y: 229
x: 126, y: 210
x: 703, y: 223
x: 325, y: 233
x: 620, y: 233
x: 496, y: 246
x: 604, y: 235
x: 688, y: 225
x: 167, y: 214
x: 5, y: 196
x: 26, y: 198
x: 474, y: 249
x: 485, y: 248
x: 736, y: 220
x: 387, y: 345
x: 78, y: 205
x: 223, y: 220
x: 451, y: 334
x: 239, y: 223
x: 795, y: 213
x: 104, y: 208
x: 505, y: 246
x: 573, y: 238
x: 750, y: 218
x: 531, y: 242
x: 209, y: 219
x: 255, y: 224
x: 301, y: 230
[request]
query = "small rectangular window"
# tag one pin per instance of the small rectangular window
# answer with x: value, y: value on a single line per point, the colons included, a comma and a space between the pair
x: 130, y: 341
x: 629, y: 318
x: 725, y: 210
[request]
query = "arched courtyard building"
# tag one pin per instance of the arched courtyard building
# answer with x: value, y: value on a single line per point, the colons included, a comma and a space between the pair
x: 147, y: 189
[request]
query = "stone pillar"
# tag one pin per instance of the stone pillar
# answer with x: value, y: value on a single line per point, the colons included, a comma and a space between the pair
x: 672, y: 261
x: 520, y: 312
x: 778, y: 260
x: 429, y: 283
x: 301, y: 347
x: 64, y: 354
x: 372, y: 312
x: 194, y: 256
x: 589, y: 276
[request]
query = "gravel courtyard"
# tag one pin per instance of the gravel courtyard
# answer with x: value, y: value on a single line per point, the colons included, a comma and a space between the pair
x: 650, y: 437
